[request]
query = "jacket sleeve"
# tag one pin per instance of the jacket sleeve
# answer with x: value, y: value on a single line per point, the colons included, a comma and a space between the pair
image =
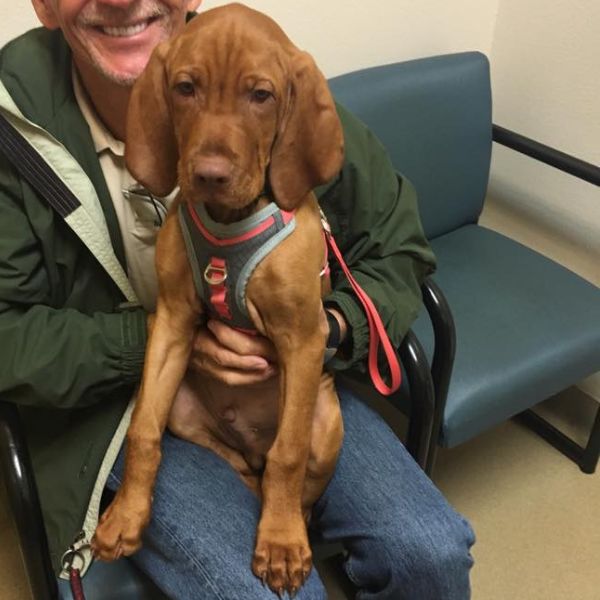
x: 50, y: 355
x: 374, y: 218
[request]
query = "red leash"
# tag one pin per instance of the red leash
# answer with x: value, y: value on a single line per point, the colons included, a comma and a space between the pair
x: 377, y: 333
x: 76, y: 587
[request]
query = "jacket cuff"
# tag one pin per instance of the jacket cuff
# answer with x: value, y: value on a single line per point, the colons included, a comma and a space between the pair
x: 357, y: 344
x: 134, y: 335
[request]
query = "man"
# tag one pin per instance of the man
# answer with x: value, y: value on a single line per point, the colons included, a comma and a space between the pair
x: 74, y: 332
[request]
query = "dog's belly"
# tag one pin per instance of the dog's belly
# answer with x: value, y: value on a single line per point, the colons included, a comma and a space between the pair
x: 240, y: 424
x: 211, y: 414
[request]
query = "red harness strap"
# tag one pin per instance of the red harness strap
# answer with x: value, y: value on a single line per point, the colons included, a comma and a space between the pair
x: 377, y: 332
x: 215, y: 275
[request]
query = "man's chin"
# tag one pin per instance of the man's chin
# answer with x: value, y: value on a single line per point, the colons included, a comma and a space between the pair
x: 125, y: 79
x: 122, y: 73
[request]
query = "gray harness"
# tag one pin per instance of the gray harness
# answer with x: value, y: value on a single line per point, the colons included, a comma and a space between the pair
x: 223, y: 257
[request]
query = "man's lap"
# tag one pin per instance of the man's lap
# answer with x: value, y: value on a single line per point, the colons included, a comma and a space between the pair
x: 379, y: 504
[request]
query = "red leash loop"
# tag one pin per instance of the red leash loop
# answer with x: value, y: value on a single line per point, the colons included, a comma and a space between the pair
x: 377, y: 333
x: 215, y: 275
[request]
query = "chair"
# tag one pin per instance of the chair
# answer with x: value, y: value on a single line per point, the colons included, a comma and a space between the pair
x: 512, y: 327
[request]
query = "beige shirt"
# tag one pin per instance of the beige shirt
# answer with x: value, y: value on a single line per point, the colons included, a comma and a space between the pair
x: 139, y: 214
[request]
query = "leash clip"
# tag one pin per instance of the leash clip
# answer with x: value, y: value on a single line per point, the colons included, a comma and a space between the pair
x: 324, y: 222
x: 68, y: 559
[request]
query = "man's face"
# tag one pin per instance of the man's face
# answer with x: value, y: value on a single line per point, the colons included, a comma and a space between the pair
x: 115, y: 37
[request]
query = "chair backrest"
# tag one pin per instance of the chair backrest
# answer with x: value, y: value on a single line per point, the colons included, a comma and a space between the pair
x: 433, y: 115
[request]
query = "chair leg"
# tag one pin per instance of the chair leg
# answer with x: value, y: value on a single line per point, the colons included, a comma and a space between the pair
x: 591, y: 454
x: 431, y: 459
x: 586, y: 457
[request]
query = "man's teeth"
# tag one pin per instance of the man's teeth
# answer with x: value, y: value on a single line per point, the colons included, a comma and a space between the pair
x: 125, y: 31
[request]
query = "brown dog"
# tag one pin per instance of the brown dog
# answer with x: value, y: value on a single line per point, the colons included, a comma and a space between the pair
x: 226, y: 102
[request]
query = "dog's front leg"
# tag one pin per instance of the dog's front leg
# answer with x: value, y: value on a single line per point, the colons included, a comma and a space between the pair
x: 282, y: 556
x: 121, y: 526
x: 167, y: 356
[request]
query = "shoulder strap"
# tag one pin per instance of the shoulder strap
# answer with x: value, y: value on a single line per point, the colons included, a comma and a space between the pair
x: 34, y: 169
x: 26, y: 160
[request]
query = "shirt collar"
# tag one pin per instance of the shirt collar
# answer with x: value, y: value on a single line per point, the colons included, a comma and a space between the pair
x: 102, y: 138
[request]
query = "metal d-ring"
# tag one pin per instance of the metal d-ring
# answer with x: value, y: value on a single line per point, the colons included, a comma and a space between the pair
x: 209, y: 275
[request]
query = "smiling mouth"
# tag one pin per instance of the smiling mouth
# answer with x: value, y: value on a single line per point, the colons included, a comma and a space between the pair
x: 126, y: 30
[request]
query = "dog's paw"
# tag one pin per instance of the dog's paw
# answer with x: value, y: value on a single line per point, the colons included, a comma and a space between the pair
x: 119, y: 531
x: 282, y: 556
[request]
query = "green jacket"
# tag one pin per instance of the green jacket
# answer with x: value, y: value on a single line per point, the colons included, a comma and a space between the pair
x: 70, y: 355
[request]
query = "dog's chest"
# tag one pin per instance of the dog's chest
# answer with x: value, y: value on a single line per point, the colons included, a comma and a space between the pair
x: 223, y: 257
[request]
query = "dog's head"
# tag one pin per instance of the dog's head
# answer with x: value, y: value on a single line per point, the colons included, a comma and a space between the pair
x: 227, y: 103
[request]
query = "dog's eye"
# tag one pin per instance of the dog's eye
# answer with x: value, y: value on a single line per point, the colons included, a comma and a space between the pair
x: 260, y: 96
x: 185, y: 88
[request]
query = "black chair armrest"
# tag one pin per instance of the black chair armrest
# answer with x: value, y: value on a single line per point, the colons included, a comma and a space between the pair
x: 444, y: 352
x: 546, y: 154
x: 25, y: 505
x: 422, y: 406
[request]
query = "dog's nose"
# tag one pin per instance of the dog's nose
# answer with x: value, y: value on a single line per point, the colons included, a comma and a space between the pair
x: 213, y: 170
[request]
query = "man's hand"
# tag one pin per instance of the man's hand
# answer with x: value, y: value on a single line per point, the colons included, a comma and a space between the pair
x: 233, y: 357
x: 237, y: 358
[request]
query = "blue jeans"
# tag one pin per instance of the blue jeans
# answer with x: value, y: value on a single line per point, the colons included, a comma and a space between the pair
x: 403, y: 539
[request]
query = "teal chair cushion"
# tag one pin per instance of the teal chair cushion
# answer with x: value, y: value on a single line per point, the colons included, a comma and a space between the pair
x: 526, y: 328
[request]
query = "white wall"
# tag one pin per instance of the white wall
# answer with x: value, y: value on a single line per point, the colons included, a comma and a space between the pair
x: 344, y: 35
x: 348, y: 34
x: 15, y: 17
x: 546, y: 77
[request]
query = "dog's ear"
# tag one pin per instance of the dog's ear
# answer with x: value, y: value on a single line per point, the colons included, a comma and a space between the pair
x: 309, y: 147
x: 151, y: 151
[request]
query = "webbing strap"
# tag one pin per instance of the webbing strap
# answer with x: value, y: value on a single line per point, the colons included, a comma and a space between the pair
x: 377, y: 333
x: 215, y: 275
x: 31, y: 167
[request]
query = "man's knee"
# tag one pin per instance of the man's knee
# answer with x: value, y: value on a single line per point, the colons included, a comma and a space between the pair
x: 438, y: 561
x: 431, y: 562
